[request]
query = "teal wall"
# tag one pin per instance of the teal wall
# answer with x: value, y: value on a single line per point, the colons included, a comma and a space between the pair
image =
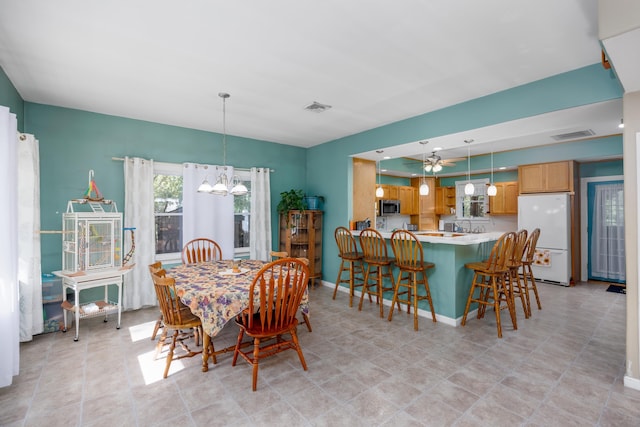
x: 9, y: 97
x: 72, y: 142
x: 329, y: 168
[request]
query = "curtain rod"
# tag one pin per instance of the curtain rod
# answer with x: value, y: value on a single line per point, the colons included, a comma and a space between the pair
x: 121, y: 159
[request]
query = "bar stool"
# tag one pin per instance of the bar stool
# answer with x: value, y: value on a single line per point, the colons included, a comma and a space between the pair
x: 374, y: 250
x: 490, y: 278
x: 409, y: 258
x: 528, y: 281
x: 350, y: 261
x: 514, y: 263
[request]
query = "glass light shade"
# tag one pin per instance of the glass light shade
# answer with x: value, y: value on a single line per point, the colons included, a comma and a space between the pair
x: 205, y: 187
x: 221, y: 188
x: 239, y: 189
x: 469, y: 189
x: 424, y: 189
x: 427, y: 168
x: 437, y: 167
x: 379, y: 191
x: 492, y: 190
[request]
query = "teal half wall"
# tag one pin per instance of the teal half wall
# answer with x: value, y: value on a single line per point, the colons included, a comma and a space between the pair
x: 72, y: 142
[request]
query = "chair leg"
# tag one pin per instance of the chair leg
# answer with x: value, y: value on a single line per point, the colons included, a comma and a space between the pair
x: 471, y: 291
x: 236, y: 351
x: 496, y: 305
x: 305, y: 318
x: 338, y: 281
x: 365, y: 289
x: 161, y: 341
x: 157, y: 326
x: 414, y: 289
x: 254, y: 362
x: 170, y: 355
x: 294, y: 337
x: 394, y: 300
x: 428, y: 290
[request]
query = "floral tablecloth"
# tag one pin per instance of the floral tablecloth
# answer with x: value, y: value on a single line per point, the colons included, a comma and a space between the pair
x: 216, y: 296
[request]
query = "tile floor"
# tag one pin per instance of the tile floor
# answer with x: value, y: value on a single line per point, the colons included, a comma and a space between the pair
x: 562, y: 367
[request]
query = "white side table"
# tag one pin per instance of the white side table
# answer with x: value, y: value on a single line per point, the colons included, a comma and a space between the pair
x: 88, y: 280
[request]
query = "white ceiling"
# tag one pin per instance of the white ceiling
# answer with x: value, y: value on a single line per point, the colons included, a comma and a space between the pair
x: 374, y: 62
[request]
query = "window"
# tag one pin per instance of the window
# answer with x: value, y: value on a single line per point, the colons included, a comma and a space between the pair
x: 475, y: 205
x: 242, y: 216
x: 167, y: 189
x: 167, y: 207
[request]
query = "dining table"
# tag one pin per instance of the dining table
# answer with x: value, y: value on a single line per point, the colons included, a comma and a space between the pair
x: 217, y: 294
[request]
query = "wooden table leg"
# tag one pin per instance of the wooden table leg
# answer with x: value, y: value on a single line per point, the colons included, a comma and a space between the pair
x: 206, y: 342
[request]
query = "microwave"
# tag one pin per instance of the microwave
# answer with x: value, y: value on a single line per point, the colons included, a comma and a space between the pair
x: 388, y: 207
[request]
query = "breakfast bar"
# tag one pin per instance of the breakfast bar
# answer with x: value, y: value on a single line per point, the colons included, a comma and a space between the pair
x: 449, y: 281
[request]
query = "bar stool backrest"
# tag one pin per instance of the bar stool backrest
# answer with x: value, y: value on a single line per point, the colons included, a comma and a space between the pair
x: 347, y: 246
x: 407, y: 249
x: 373, y: 245
x: 501, y: 253
x: 530, y: 246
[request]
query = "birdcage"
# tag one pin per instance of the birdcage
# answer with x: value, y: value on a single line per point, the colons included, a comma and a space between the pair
x: 92, y: 236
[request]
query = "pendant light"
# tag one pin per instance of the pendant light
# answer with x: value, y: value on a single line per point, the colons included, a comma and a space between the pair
x: 469, y: 189
x: 379, y: 190
x: 424, y: 187
x: 492, y: 190
x: 221, y: 186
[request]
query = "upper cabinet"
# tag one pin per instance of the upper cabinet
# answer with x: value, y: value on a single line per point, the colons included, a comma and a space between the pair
x: 505, y: 202
x: 547, y: 177
x: 445, y: 200
x: 407, y: 196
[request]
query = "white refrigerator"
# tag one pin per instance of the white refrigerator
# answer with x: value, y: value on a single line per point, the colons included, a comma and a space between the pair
x: 551, y: 214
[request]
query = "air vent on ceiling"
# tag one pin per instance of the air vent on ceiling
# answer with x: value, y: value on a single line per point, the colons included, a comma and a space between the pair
x: 316, y: 107
x: 574, y: 135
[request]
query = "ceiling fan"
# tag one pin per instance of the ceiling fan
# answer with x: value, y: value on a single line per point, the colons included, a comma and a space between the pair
x: 435, y: 163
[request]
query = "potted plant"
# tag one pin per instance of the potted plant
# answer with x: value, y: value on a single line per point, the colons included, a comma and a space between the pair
x: 290, y: 201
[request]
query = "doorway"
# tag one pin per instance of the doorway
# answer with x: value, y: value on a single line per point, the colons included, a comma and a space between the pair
x: 605, y: 231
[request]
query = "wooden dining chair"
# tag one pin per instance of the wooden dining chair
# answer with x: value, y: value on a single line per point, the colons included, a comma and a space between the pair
x: 176, y: 319
x: 409, y: 258
x: 275, y: 255
x: 154, y: 268
x: 274, y: 300
x: 201, y: 250
x: 490, y: 280
x: 526, y: 273
x: 350, y: 262
x: 278, y: 254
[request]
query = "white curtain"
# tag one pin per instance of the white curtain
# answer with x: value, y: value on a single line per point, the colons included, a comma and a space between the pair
x: 203, y: 214
x: 607, y: 237
x: 9, y: 314
x: 260, y: 223
x: 138, y: 213
x: 29, y: 274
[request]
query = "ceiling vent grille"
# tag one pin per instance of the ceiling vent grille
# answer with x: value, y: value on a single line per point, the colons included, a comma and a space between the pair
x: 574, y: 135
x: 317, y: 107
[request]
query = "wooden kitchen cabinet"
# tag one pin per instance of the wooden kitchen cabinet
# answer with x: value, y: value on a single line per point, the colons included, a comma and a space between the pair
x: 390, y: 192
x: 547, y: 177
x: 505, y: 202
x: 425, y: 217
x: 445, y: 200
x: 407, y: 196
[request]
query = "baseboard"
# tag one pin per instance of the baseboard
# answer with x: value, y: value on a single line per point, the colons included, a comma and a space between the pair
x: 421, y: 313
x: 631, y: 382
